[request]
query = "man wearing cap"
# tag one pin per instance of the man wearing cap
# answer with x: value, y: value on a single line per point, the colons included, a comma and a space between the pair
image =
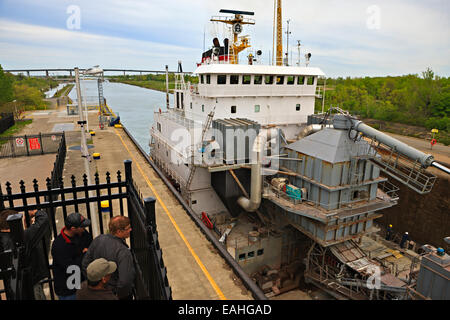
x: 68, y: 250
x: 98, y: 274
x: 113, y: 247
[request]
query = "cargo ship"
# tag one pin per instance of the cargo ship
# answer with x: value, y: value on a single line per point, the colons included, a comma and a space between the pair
x: 291, y: 194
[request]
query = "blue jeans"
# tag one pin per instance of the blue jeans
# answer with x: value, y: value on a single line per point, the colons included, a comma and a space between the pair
x: 71, y: 297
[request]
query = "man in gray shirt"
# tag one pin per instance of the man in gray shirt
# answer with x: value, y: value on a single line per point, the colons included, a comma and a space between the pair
x: 113, y: 247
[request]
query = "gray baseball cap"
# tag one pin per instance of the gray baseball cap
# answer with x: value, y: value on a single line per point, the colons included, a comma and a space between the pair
x: 99, y: 268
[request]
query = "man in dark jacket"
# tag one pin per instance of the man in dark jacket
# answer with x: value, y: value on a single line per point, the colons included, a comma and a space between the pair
x: 68, y: 250
x: 113, y: 247
x: 36, y: 246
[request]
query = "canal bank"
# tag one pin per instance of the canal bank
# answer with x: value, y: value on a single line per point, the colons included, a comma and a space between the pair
x: 195, y: 269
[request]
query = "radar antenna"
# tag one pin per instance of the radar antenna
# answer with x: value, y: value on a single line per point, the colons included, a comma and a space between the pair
x: 236, y: 22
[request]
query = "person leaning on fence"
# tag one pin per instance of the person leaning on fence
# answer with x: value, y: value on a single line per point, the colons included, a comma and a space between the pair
x: 98, y: 272
x: 113, y: 247
x: 36, y: 257
x: 68, y: 250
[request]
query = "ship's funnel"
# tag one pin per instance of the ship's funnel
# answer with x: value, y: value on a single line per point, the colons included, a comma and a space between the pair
x: 225, y: 44
x: 216, y: 42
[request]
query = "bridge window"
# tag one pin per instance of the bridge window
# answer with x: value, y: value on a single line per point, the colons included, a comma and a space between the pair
x: 251, y: 254
x: 280, y: 79
x: 234, y: 79
x: 221, y: 79
x: 297, y: 107
x: 242, y: 256
x: 233, y: 109
x: 290, y: 80
x: 260, y: 252
x: 310, y: 81
x: 246, y: 79
x: 208, y: 79
x: 201, y: 79
x: 158, y: 125
x: 301, y: 80
x: 203, y: 108
x: 258, y: 79
x: 257, y: 108
x: 268, y: 79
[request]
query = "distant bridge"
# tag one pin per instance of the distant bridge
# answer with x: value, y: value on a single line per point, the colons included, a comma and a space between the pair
x: 124, y: 71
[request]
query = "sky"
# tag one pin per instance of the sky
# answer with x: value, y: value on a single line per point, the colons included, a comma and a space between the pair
x: 353, y: 38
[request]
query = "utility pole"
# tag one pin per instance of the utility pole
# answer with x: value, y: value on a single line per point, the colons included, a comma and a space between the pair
x: 298, y: 47
x: 85, y: 153
x: 167, y: 87
x: 286, y: 61
x: 81, y: 122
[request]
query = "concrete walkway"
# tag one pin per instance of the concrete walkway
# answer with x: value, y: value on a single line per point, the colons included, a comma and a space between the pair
x: 195, y: 270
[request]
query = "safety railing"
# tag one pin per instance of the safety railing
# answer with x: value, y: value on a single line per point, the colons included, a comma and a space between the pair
x: 123, y: 198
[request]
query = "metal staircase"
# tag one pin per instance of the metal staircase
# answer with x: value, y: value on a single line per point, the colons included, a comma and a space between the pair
x: 193, y: 150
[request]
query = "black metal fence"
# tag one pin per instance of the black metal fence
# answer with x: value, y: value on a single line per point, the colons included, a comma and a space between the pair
x: 29, y: 145
x: 6, y: 121
x: 122, y: 196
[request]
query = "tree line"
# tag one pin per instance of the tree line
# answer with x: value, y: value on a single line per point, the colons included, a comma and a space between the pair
x: 23, y: 93
x: 411, y: 99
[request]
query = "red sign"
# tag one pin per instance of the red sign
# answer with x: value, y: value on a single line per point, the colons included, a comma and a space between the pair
x: 34, y: 143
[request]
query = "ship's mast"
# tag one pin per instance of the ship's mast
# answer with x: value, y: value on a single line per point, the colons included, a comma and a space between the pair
x: 236, y: 23
x: 279, y: 35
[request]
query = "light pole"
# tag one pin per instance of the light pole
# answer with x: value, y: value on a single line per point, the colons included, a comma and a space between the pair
x: 15, y: 110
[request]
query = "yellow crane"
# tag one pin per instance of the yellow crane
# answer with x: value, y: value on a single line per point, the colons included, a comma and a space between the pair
x: 236, y: 23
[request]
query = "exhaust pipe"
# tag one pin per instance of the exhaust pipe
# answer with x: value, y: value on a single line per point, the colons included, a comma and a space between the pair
x: 252, y: 204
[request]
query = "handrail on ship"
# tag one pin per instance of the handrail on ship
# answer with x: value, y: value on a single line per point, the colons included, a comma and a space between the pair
x: 249, y: 284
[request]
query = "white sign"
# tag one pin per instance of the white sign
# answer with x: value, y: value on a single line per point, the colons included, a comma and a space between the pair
x: 53, y: 138
x: 20, y: 142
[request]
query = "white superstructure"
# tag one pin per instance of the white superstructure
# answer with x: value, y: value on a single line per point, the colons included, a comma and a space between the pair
x: 183, y: 143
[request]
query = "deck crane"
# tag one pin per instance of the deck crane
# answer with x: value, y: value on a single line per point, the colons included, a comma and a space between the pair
x: 236, y: 24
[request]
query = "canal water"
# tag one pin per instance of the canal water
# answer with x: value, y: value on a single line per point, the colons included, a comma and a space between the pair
x: 134, y: 105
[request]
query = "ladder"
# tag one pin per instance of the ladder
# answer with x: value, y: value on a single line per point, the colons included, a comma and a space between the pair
x: 205, y: 129
x: 100, y: 93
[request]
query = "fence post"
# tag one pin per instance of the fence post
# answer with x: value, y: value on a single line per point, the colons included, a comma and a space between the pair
x: 16, y: 226
x: 26, y: 144
x: 42, y: 145
x: 128, y: 173
x: 2, y: 205
x: 150, y: 219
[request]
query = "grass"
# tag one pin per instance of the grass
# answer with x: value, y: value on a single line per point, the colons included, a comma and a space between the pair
x: 149, y: 84
x: 64, y: 91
